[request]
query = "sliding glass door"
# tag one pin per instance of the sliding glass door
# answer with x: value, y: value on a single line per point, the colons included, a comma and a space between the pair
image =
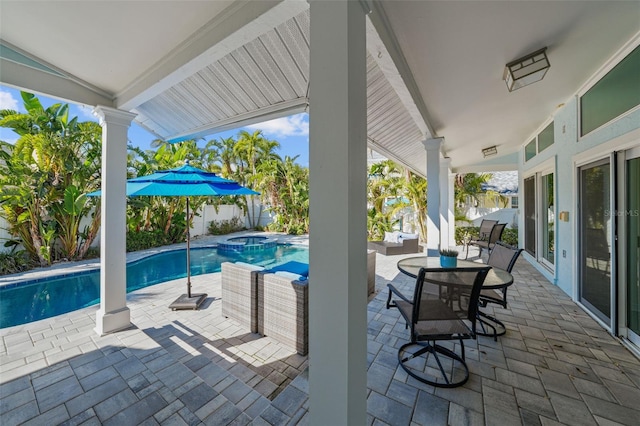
x: 594, y: 215
x: 547, y: 228
x: 539, y: 218
x: 530, y: 215
x: 631, y: 215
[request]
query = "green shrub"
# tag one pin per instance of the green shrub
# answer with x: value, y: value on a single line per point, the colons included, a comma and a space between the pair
x: 509, y: 236
x: 222, y: 227
x: 462, y: 232
x: 140, y: 240
x: 14, y: 262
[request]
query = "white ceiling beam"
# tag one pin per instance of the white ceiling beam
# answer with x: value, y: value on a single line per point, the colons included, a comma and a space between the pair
x: 381, y: 56
x: 380, y: 149
x: 400, y: 69
x: 271, y: 112
x: 242, y: 22
x: 44, y: 83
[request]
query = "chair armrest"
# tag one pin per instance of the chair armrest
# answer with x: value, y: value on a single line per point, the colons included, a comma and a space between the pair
x: 393, y: 290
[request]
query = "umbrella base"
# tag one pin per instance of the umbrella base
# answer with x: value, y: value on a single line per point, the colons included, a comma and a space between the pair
x: 186, y: 302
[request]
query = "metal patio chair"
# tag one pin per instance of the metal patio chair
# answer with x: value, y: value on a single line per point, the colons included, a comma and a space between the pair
x: 494, y: 236
x: 483, y: 233
x: 444, y: 307
x: 504, y: 257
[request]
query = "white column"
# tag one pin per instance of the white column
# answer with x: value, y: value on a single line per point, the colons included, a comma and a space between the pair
x: 445, y: 228
x: 433, y: 195
x: 113, y: 314
x: 338, y: 216
x: 451, y: 180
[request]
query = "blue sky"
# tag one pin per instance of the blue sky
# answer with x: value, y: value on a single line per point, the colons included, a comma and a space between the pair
x: 291, y: 132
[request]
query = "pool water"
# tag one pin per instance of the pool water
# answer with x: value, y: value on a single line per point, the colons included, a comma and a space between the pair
x: 45, y: 298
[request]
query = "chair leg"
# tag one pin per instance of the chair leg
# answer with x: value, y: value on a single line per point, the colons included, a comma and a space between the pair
x: 481, y: 319
x: 447, y: 380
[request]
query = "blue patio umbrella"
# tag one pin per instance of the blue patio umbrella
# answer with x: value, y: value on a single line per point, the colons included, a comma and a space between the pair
x: 186, y: 181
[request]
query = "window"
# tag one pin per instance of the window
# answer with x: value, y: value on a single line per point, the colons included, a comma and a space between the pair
x: 542, y: 141
x: 530, y: 215
x: 514, y: 202
x: 530, y: 150
x: 539, y: 217
x: 545, y: 138
x: 613, y: 95
x: 547, y: 230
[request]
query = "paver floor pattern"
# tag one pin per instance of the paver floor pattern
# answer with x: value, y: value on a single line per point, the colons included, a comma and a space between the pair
x: 555, y: 365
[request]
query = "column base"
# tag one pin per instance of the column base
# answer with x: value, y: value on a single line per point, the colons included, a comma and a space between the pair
x: 110, y: 322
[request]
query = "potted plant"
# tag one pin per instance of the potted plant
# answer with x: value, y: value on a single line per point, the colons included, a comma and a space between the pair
x: 448, y: 258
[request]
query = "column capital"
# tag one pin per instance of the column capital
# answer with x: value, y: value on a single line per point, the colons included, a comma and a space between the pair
x: 113, y: 116
x: 445, y: 162
x: 433, y: 144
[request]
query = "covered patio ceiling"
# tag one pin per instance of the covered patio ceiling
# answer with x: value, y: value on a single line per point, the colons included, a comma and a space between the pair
x: 434, y: 69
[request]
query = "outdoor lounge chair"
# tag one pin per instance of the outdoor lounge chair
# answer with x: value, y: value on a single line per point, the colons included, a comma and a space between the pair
x: 444, y: 307
x: 283, y: 309
x: 401, y: 243
x: 240, y: 293
x: 494, y: 236
x: 504, y: 257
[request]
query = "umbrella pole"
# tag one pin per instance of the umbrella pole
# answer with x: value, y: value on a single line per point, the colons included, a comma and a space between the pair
x: 188, y: 255
x: 188, y: 301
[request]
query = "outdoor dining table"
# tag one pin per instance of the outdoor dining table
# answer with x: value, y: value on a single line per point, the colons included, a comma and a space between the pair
x: 496, y: 278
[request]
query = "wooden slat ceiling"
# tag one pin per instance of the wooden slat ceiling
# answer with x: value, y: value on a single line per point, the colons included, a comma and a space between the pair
x: 266, y: 73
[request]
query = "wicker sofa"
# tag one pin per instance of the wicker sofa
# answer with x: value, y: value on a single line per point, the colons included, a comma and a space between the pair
x: 283, y: 309
x: 240, y: 293
x: 401, y: 243
x: 274, y: 304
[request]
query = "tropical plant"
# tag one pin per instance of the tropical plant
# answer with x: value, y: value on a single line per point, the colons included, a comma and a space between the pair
x: 284, y: 187
x: 51, y: 155
x: 385, y: 196
x: 161, y: 214
x: 416, y: 192
x: 449, y: 252
x: 223, y: 227
x: 468, y: 188
x: 391, y: 191
x: 251, y: 150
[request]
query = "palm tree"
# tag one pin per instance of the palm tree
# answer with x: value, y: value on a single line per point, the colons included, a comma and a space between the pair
x: 251, y: 149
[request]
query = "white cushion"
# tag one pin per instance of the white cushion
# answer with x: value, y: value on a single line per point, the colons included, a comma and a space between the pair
x: 391, y: 237
x: 406, y: 236
x: 290, y: 275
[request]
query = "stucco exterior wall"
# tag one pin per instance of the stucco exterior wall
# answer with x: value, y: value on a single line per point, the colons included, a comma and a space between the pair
x: 565, y: 155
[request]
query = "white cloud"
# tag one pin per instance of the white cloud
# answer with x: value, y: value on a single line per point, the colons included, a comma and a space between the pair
x: 86, y: 112
x: 7, y: 101
x: 295, y: 125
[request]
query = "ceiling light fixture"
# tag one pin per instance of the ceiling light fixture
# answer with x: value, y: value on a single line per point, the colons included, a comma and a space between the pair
x: 492, y: 150
x: 526, y: 70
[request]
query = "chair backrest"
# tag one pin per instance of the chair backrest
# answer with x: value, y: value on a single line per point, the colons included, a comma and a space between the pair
x: 503, y: 256
x: 496, y: 233
x: 457, y: 288
x: 485, y: 228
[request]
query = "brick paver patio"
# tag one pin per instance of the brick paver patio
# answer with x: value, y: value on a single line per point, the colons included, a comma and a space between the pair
x: 555, y: 365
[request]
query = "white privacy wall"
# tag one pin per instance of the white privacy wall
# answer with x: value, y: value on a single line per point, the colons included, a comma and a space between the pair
x: 200, y: 222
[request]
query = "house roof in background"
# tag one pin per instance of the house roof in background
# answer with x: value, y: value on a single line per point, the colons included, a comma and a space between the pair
x: 505, y: 183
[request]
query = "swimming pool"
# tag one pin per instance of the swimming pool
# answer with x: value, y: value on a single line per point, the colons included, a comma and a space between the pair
x: 47, y: 297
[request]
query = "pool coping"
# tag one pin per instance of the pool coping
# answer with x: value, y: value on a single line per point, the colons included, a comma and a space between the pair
x: 63, y: 269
